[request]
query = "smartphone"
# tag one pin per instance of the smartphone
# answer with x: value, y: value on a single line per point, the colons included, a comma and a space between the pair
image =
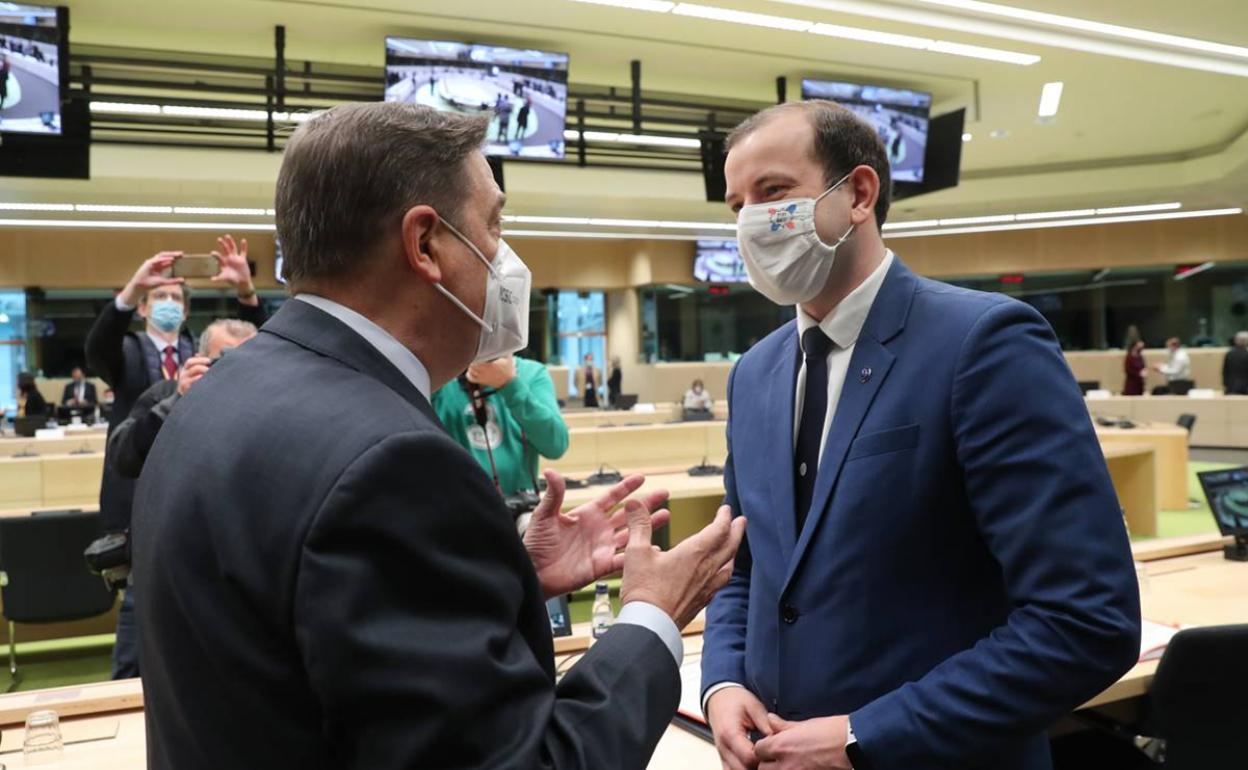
x: 195, y: 266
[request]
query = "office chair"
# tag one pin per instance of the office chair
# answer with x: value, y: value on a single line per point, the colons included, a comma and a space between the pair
x: 1086, y: 385
x: 1195, y: 709
x: 1181, y: 387
x: 43, y: 578
x: 1196, y: 702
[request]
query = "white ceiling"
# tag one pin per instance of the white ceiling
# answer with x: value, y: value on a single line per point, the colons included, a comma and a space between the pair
x: 1127, y: 132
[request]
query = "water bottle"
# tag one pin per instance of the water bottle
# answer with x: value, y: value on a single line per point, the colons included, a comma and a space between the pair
x: 602, y: 616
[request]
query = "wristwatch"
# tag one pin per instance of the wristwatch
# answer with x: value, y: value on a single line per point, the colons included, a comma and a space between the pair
x: 248, y: 294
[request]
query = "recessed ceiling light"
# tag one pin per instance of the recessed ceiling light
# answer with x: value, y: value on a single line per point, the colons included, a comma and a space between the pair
x: 968, y: 136
x: 1050, y: 99
x: 1087, y: 25
x: 998, y: 133
x: 790, y: 24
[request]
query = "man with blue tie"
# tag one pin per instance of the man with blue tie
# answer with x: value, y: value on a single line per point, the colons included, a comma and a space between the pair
x: 936, y: 568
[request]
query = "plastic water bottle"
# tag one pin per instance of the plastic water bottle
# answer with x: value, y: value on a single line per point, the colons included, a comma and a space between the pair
x: 602, y: 616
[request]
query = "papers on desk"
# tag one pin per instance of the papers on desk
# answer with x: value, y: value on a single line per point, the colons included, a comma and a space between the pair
x: 691, y: 691
x: 1153, y: 639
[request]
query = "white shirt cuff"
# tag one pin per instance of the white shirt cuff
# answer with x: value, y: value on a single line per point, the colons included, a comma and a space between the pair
x: 714, y: 689
x: 649, y: 616
x: 123, y: 307
x: 849, y: 730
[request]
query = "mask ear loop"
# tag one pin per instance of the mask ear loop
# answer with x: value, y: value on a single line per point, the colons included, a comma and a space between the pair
x: 455, y: 300
x: 848, y: 232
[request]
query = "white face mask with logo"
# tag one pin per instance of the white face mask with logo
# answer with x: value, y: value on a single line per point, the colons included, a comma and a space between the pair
x: 505, y: 328
x: 783, y: 254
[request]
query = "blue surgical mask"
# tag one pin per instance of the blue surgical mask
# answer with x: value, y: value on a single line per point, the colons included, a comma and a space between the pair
x: 166, y: 315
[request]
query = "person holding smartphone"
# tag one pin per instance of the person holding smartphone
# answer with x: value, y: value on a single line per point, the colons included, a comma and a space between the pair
x: 131, y: 362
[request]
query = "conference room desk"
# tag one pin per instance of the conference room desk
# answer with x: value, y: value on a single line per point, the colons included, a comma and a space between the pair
x: 1133, y: 471
x: 1170, y: 442
x: 1221, y: 421
x: 642, y: 446
x: 1201, y: 589
x: 93, y: 440
x: 50, y: 480
x: 597, y: 418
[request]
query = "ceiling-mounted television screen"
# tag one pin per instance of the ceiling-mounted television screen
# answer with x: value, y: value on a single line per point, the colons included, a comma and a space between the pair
x: 32, y: 58
x: 718, y: 261
x: 899, y: 115
x: 524, y: 91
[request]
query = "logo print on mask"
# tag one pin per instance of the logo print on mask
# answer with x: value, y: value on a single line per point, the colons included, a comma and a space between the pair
x: 783, y: 217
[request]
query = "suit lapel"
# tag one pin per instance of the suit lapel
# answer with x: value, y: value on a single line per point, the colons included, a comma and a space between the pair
x: 868, y: 369
x: 778, y: 435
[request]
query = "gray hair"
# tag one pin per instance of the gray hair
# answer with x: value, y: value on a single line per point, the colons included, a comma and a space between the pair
x: 350, y: 174
x: 843, y: 141
x: 231, y: 327
x: 1241, y: 339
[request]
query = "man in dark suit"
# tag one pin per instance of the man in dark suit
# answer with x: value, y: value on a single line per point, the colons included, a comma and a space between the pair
x: 131, y: 362
x: 936, y: 568
x: 344, y: 587
x: 78, y: 393
x: 1235, y: 367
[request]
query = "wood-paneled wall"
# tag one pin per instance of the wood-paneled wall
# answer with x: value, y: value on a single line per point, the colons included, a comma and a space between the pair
x: 87, y: 258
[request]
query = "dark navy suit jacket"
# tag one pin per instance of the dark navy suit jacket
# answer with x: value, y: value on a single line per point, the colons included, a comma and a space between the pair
x: 963, y: 577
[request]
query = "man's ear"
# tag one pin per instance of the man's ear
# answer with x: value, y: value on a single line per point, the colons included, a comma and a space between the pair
x: 421, y: 242
x: 866, y: 186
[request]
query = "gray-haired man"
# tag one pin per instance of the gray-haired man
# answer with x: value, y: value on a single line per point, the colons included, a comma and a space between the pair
x: 132, y: 439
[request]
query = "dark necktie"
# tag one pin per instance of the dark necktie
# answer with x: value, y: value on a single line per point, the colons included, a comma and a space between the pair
x: 815, y: 347
x: 170, y: 365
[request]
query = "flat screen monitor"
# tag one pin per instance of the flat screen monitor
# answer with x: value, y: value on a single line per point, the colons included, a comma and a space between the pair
x: 32, y: 55
x: 1227, y: 493
x: 898, y: 114
x: 718, y: 261
x: 525, y: 92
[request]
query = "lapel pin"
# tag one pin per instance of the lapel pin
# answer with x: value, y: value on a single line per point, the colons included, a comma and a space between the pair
x: 865, y: 374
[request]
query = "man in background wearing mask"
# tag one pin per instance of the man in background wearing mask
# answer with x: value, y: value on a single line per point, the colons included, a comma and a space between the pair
x: 936, y: 567
x: 348, y: 577
x: 522, y: 419
x: 132, y: 439
x: 131, y: 362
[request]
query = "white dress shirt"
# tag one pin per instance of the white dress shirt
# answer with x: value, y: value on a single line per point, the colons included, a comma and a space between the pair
x: 1178, y: 365
x: 842, y: 326
x: 634, y: 613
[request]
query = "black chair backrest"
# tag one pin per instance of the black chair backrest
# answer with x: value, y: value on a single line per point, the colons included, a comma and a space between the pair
x: 1187, y: 421
x: 1181, y: 387
x: 48, y: 580
x: 1196, y: 700
x: 1086, y: 385
x: 59, y: 512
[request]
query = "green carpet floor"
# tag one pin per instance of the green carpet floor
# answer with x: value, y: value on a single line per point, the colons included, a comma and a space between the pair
x: 78, y: 661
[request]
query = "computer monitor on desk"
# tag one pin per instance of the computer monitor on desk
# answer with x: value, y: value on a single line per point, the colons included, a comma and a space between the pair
x: 26, y: 426
x: 1227, y: 493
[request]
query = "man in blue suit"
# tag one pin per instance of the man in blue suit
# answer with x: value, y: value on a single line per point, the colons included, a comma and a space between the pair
x: 936, y: 567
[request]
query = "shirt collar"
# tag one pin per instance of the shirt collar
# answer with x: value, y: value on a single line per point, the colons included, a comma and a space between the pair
x: 394, y: 351
x: 845, y: 322
x: 162, y: 344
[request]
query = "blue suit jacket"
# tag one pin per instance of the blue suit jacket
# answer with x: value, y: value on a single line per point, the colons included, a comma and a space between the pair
x: 963, y: 577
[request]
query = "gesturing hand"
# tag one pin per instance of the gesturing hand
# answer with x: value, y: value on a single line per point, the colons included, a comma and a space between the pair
x: 232, y: 263
x: 571, y: 550
x: 150, y: 275
x: 191, y: 373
